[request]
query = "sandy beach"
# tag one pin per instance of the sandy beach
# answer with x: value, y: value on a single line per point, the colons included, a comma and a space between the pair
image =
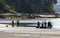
x: 29, y: 32
x: 23, y: 35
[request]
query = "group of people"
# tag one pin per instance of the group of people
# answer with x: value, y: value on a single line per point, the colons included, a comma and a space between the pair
x: 44, y: 25
x: 39, y: 25
x: 14, y: 23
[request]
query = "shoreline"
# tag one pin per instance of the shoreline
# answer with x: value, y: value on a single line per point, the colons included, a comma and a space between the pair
x: 30, y: 35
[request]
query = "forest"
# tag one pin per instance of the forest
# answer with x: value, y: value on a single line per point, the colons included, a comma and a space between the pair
x: 28, y: 6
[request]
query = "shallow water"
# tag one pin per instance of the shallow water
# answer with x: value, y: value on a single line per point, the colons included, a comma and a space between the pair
x: 33, y: 22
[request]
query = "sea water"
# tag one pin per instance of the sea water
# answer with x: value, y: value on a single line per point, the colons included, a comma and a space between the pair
x: 33, y: 22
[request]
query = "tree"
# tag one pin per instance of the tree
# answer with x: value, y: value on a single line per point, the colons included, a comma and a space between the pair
x: 5, y: 7
x: 29, y: 6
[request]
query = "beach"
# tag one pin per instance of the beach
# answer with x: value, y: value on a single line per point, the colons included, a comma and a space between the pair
x: 29, y: 32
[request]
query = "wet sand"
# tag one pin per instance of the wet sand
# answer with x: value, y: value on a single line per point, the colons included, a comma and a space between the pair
x: 29, y: 35
x: 24, y: 32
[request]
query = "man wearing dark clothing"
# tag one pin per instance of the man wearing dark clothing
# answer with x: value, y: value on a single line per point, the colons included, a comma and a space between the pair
x: 13, y: 23
x: 42, y: 25
x: 38, y: 24
x: 45, y: 25
x: 18, y: 23
x: 49, y: 25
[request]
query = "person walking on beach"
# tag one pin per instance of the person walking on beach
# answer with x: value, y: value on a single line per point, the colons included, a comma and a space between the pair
x: 45, y: 24
x: 18, y: 23
x: 38, y: 24
x: 13, y: 23
x: 49, y: 25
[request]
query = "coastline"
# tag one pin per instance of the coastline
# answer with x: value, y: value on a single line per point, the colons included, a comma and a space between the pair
x: 29, y: 32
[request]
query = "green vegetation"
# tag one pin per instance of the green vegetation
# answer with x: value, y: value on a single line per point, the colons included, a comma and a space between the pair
x: 27, y: 6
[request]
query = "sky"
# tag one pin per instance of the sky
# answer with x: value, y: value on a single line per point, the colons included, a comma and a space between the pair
x: 57, y: 7
x: 58, y: 2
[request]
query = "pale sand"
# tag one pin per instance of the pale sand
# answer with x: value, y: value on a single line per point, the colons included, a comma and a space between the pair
x: 29, y: 32
x: 24, y: 35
